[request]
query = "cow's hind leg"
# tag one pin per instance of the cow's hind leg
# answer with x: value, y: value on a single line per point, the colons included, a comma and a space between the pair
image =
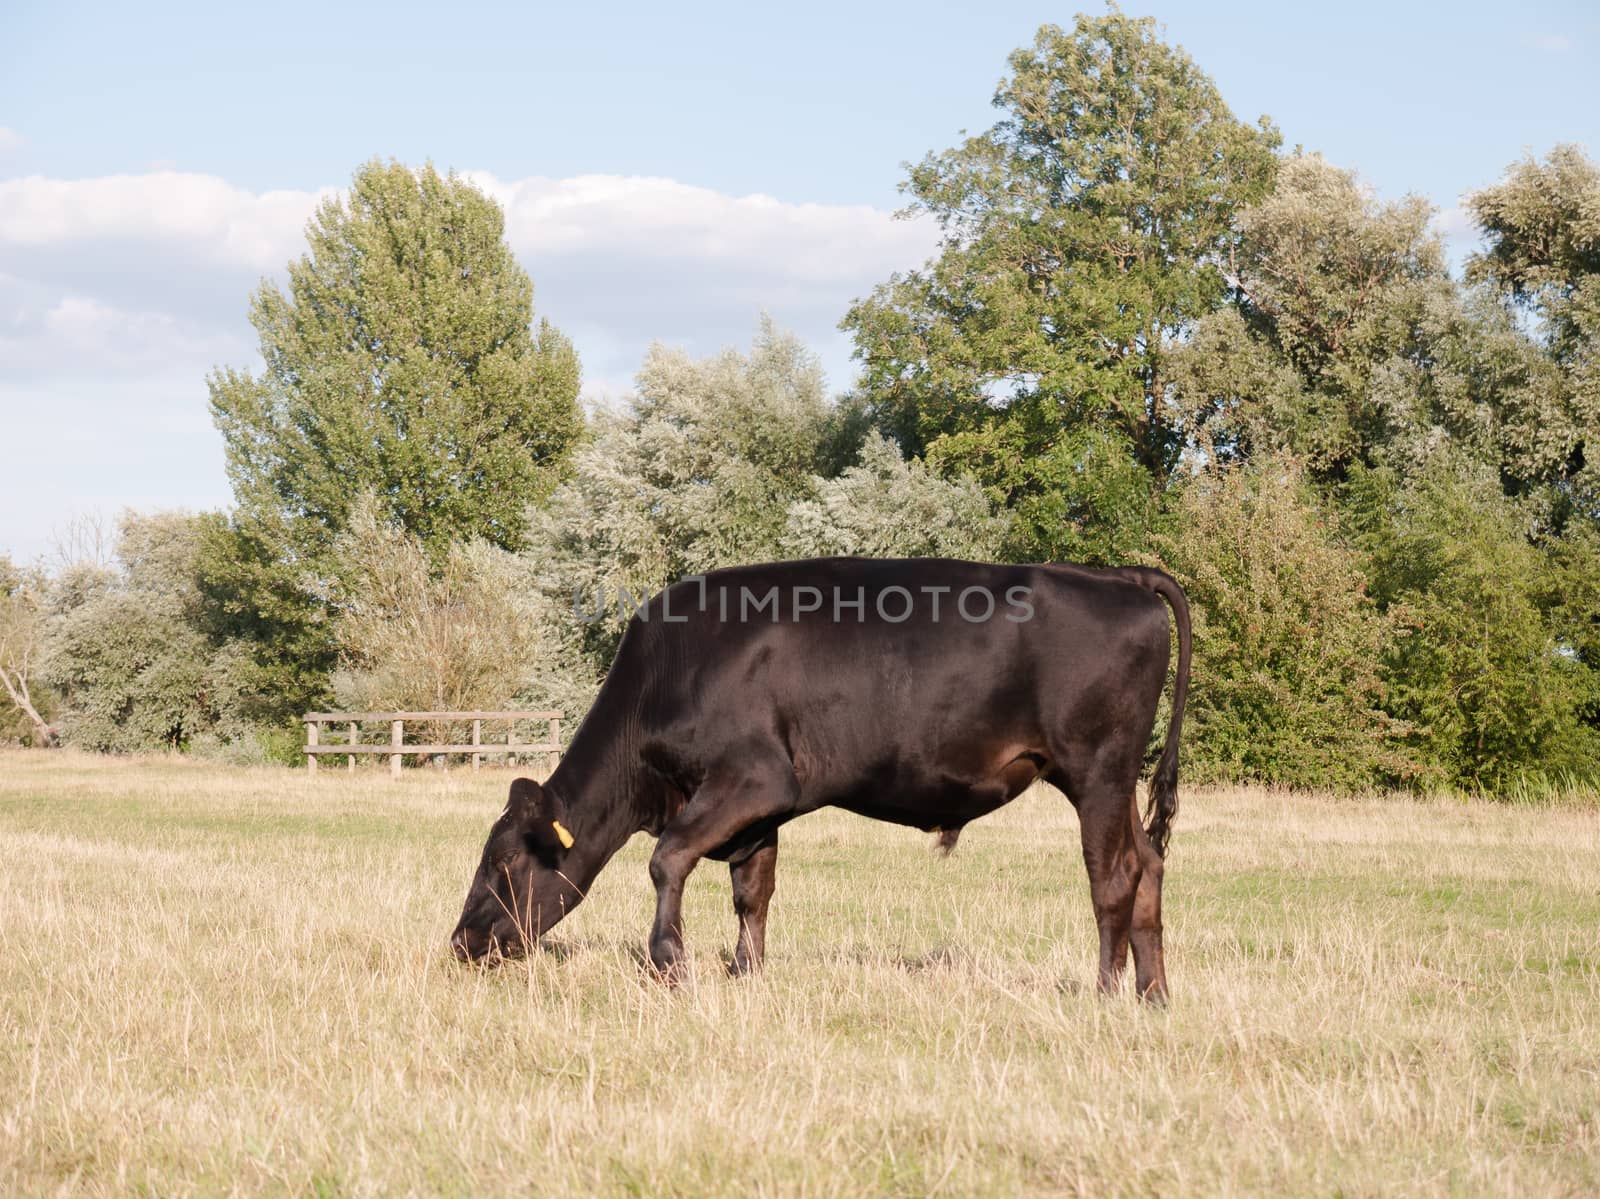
x: 1114, y: 874
x: 1111, y: 856
x: 742, y: 790
x: 754, y: 878
x: 1150, y: 970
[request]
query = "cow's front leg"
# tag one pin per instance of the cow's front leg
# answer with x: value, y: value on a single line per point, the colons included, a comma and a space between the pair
x: 744, y: 789
x: 753, y: 880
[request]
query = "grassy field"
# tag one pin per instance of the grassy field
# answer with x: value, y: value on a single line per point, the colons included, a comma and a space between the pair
x: 236, y: 981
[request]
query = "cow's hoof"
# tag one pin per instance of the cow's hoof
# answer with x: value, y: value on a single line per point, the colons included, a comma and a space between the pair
x: 667, y: 965
x: 1155, y: 996
x: 741, y: 967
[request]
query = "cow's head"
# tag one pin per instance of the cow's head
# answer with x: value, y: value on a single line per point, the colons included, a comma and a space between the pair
x: 521, y: 888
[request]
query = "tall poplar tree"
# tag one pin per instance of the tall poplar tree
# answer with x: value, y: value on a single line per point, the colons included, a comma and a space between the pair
x: 401, y: 360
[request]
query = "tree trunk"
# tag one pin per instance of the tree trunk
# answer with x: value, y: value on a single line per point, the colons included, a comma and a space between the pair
x: 17, y: 689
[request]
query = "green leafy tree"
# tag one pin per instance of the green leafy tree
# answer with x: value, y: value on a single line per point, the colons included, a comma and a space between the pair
x: 1350, y: 345
x: 1490, y: 670
x: 1472, y: 385
x: 402, y: 360
x: 268, y: 609
x: 1081, y: 497
x: 1337, y: 284
x: 133, y: 670
x: 1083, y: 235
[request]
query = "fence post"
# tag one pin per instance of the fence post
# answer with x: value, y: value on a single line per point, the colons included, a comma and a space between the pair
x: 552, y: 759
x: 311, y: 743
x: 477, y: 739
x: 355, y: 738
x: 396, y: 737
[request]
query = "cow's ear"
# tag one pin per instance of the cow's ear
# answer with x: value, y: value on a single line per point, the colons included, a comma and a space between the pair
x: 542, y: 816
x: 527, y: 798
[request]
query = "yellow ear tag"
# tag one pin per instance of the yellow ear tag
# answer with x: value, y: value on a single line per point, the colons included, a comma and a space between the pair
x: 562, y: 834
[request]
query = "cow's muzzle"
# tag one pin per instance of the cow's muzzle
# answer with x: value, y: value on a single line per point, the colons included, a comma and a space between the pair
x: 470, y: 946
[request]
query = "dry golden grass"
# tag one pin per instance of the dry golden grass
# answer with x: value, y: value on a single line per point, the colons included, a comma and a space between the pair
x: 223, y: 981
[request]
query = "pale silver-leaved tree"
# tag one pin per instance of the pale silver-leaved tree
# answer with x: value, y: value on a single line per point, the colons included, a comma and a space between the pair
x: 888, y: 507
x: 698, y: 471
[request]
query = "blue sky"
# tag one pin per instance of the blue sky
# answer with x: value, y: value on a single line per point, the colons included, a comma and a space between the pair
x: 669, y: 170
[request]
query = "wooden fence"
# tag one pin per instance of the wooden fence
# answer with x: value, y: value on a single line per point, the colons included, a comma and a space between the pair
x: 397, y: 748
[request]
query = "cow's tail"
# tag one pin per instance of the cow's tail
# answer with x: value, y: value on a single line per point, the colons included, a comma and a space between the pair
x: 1163, y: 807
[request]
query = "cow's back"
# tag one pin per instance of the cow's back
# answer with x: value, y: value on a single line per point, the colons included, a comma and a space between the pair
x: 908, y: 688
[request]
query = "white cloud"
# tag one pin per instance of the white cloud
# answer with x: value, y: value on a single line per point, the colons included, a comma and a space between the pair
x: 136, y: 285
x: 608, y: 251
x: 606, y: 215
x: 1459, y: 229
x: 231, y: 225
x: 1455, y: 223
x: 640, y: 257
x: 10, y: 140
x: 662, y: 219
x: 1550, y: 43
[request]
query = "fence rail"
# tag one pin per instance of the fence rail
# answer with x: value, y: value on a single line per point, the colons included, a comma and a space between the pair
x: 397, y: 748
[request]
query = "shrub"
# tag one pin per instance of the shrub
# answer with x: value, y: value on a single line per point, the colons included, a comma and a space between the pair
x: 134, y: 672
x: 1491, y: 670
x: 1286, y: 685
x: 472, y: 632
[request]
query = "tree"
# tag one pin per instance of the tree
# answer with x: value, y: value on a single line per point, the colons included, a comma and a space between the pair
x: 1492, y: 670
x: 270, y: 612
x: 1343, y: 310
x: 1350, y: 345
x: 1336, y: 284
x: 1541, y: 225
x: 1287, y: 686
x: 471, y: 633
x: 134, y: 671
x: 22, y: 644
x: 1080, y: 497
x: 887, y: 507
x: 402, y: 360
x: 698, y: 471
x: 1083, y: 235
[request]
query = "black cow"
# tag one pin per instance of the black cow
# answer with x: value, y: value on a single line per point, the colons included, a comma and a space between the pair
x: 922, y: 692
